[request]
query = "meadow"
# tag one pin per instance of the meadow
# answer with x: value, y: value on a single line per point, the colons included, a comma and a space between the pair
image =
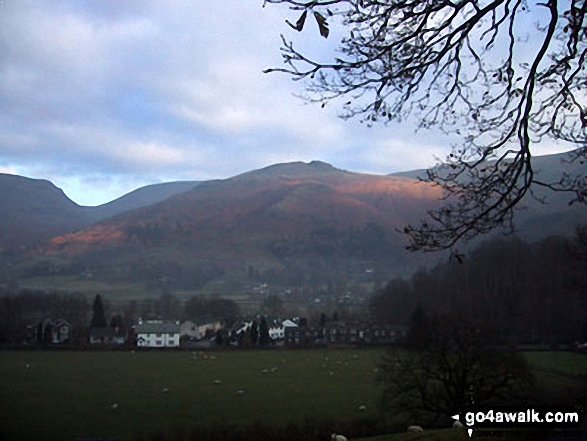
x: 70, y: 394
x: 60, y: 395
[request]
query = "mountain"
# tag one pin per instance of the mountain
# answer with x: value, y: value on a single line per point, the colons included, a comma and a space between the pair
x: 299, y: 220
x: 141, y: 197
x: 543, y: 212
x: 277, y: 202
x: 33, y: 210
x: 305, y: 225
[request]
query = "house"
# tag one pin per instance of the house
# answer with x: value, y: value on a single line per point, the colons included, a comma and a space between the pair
x: 209, y: 326
x: 277, y: 330
x: 200, y: 329
x: 345, y: 334
x: 189, y: 329
x: 49, y: 331
x: 157, y: 334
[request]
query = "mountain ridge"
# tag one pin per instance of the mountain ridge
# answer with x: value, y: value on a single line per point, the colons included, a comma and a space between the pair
x: 294, y: 221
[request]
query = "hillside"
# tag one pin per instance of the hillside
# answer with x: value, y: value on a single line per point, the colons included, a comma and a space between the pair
x: 293, y: 223
x: 544, y: 212
x: 33, y: 210
x: 141, y: 197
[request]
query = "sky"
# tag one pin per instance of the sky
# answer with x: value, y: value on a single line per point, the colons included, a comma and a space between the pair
x: 103, y: 97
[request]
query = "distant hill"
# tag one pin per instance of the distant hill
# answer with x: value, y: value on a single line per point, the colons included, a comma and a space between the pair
x: 289, y: 221
x: 35, y: 209
x: 296, y: 224
x: 544, y: 212
x: 32, y: 210
x: 141, y: 197
x: 277, y: 202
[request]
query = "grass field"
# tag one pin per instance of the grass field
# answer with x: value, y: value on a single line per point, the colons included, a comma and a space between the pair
x: 68, y: 395
x: 71, y: 394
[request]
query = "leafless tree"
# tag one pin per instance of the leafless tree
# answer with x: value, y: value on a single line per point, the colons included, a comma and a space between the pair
x: 459, y: 366
x: 501, y: 74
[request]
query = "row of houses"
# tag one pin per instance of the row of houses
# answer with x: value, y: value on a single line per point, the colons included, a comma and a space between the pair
x: 172, y: 334
x: 341, y: 334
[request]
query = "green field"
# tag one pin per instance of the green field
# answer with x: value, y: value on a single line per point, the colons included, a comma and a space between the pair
x: 72, y: 394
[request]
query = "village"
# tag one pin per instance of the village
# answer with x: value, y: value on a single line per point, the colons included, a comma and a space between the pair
x: 213, y: 333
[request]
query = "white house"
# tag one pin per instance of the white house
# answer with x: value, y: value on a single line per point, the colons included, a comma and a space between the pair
x: 158, y: 334
x: 209, y: 326
x: 189, y: 329
x: 277, y: 333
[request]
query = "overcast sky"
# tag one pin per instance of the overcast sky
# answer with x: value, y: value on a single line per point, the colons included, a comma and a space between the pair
x: 101, y: 97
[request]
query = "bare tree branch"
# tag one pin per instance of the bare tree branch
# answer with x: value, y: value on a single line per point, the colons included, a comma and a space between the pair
x: 502, y: 74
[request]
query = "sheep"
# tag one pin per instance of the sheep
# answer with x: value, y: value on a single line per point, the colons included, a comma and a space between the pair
x: 362, y: 408
x: 336, y: 437
x: 217, y: 382
x: 458, y: 425
x: 114, y: 406
x: 415, y: 429
x: 273, y: 370
x: 165, y: 390
x: 239, y: 393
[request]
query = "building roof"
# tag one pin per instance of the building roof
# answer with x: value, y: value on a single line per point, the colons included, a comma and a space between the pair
x: 157, y: 328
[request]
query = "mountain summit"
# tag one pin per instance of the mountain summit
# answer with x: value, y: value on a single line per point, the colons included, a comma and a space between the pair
x: 289, y: 223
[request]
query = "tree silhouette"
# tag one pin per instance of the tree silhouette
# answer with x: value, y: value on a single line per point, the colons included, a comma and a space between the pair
x: 500, y: 74
x: 98, y: 317
x: 419, y: 334
x: 461, y: 363
x: 264, y: 332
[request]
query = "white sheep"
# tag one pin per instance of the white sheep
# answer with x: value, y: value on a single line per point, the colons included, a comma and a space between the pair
x: 458, y: 425
x: 336, y: 437
x: 362, y: 408
x: 415, y: 429
x: 217, y: 382
x: 239, y: 392
x: 115, y: 406
x: 165, y: 390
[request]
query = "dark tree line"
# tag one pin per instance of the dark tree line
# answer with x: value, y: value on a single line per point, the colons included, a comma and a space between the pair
x: 23, y: 308
x: 19, y: 310
x: 528, y: 292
